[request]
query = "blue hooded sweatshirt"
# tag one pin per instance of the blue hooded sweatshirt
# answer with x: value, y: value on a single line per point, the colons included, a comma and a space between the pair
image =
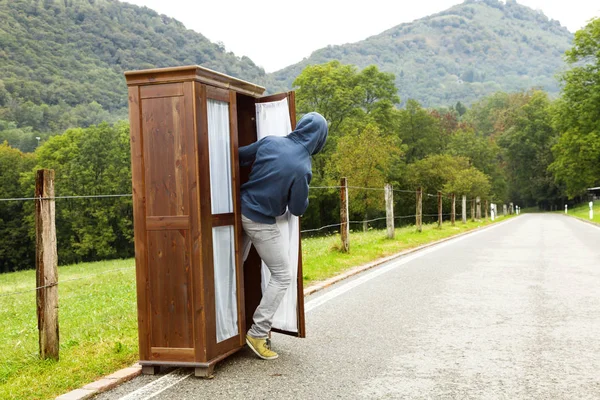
x: 281, y: 170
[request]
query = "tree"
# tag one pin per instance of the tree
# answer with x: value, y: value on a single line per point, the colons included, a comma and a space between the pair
x: 349, y: 100
x: 420, y: 131
x: 469, y: 182
x: 460, y: 108
x: 434, y: 171
x: 91, y: 161
x: 484, y: 154
x: 17, y: 248
x: 331, y: 90
x: 577, y: 116
x: 339, y: 91
x: 528, y: 141
x: 365, y: 156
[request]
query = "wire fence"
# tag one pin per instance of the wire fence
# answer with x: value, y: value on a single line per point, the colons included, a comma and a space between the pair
x: 313, y: 230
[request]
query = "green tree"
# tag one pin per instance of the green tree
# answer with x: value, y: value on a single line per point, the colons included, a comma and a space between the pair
x: 90, y: 161
x: 528, y: 141
x: 484, y: 154
x: 17, y: 249
x: 469, y: 182
x: 577, y: 117
x: 365, y: 156
x: 349, y: 100
x: 339, y: 92
x: 420, y: 131
x: 434, y: 171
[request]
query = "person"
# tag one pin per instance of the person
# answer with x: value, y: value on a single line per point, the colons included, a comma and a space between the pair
x: 279, y: 178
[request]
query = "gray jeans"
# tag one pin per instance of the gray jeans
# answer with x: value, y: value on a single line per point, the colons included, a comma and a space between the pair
x: 267, y: 240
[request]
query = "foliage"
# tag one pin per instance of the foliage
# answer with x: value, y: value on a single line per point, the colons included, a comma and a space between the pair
x: 465, y: 53
x: 62, y: 62
x: 365, y: 156
x: 483, y: 154
x: 420, y: 131
x: 450, y: 174
x: 350, y: 100
x: 528, y: 139
x: 339, y: 92
x: 577, y: 118
x: 91, y: 161
x: 16, y: 246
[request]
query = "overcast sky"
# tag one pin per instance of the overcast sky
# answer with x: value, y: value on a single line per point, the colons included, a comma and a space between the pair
x: 295, y: 29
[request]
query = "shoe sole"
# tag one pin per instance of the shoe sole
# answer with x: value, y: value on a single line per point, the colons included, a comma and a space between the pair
x: 257, y: 353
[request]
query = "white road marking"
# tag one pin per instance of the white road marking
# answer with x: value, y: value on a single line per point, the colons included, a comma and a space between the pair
x: 158, y: 386
x: 312, y: 304
x: 171, y: 379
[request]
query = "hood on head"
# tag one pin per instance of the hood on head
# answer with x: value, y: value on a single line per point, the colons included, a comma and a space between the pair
x: 311, y: 132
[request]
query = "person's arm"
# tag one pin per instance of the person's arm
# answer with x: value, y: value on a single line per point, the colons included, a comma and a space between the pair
x: 247, y: 154
x: 298, y: 202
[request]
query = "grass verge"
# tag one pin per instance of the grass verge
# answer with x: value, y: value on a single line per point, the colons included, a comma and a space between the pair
x: 98, y: 321
x: 583, y: 211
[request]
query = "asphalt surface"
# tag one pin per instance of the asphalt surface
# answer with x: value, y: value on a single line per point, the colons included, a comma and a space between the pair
x: 510, y: 312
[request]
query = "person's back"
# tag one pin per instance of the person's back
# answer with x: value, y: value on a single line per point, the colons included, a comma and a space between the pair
x: 281, y: 170
x: 281, y: 173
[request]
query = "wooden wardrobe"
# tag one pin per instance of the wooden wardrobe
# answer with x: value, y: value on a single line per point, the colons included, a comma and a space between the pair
x: 195, y: 294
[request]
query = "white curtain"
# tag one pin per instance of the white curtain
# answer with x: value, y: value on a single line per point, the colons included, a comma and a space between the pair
x: 273, y: 119
x: 225, y: 284
x: 222, y: 202
x: 220, y: 157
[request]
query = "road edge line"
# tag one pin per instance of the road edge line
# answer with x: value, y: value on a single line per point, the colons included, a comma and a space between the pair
x: 108, y: 382
x: 365, y: 267
x: 597, y: 225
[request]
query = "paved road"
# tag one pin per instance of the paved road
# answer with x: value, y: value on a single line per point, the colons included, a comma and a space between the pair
x: 511, y: 312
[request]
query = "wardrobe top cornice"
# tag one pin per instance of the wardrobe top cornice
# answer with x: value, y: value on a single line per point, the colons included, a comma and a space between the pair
x: 192, y: 73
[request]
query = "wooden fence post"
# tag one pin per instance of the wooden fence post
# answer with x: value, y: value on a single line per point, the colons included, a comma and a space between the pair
x: 419, y: 214
x: 453, y: 216
x: 464, y: 209
x: 345, y: 227
x: 478, y: 202
x: 473, y: 210
x: 389, y: 210
x: 439, y: 201
x: 46, y: 262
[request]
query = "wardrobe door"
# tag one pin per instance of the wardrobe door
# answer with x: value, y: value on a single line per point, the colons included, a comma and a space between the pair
x: 221, y: 129
x: 276, y: 115
x: 164, y: 182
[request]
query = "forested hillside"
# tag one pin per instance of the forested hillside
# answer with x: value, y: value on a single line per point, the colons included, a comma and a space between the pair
x: 462, y: 54
x: 62, y: 61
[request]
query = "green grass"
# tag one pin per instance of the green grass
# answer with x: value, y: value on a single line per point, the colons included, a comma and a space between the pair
x: 583, y: 211
x: 97, y: 315
x: 98, y: 330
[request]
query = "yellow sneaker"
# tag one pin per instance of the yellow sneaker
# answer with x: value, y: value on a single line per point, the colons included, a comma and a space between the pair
x: 261, y: 348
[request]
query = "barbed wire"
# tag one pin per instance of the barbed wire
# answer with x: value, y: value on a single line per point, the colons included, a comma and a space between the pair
x: 6, y: 294
x: 321, y: 228
x: 99, y: 196
x: 370, y: 220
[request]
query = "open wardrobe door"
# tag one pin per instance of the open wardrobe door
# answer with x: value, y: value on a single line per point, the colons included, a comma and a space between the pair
x: 276, y: 116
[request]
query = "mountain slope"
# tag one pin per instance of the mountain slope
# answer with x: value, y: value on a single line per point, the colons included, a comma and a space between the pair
x: 462, y: 54
x: 75, y: 51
